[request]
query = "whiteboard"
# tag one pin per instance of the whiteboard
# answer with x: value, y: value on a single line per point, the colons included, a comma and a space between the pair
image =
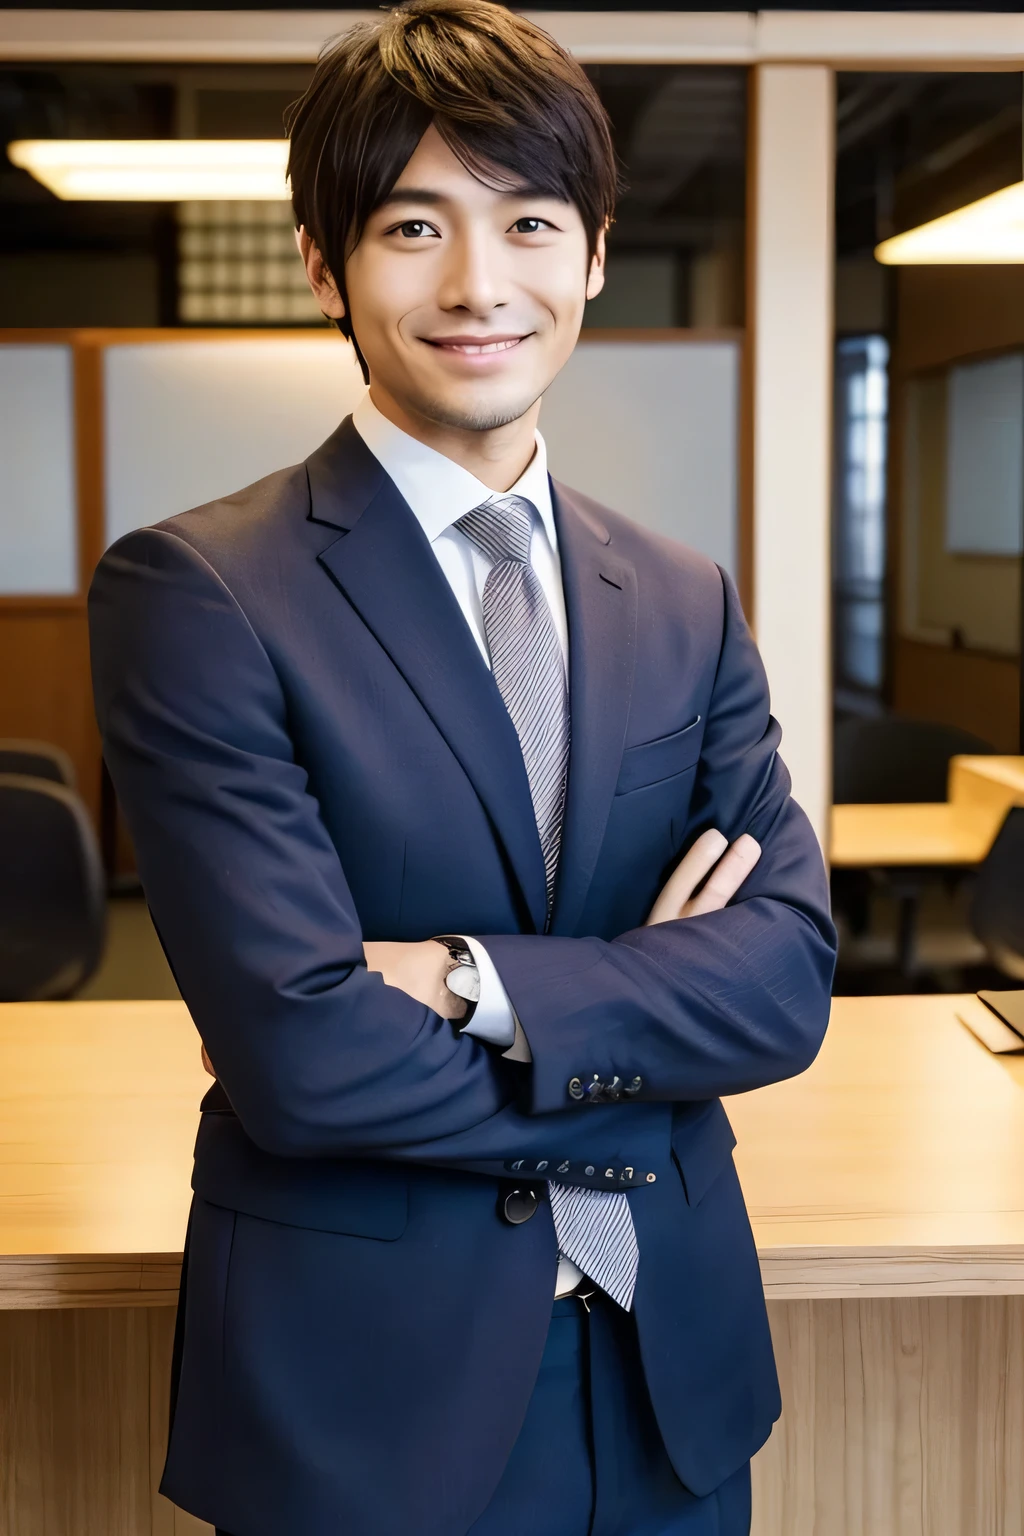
x: 188, y: 421
x: 38, y: 530
x: 648, y: 428
x: 985, y: 457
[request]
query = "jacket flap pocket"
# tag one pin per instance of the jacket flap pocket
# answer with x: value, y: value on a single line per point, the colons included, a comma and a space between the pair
x: 323, y: 1194
x: 652, y: 761
x: 702, y: 1145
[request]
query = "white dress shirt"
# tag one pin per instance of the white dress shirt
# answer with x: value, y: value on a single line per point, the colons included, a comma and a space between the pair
x: 438, y: 492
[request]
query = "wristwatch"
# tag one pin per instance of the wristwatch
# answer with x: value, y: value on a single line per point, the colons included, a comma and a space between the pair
x: 462, y: 978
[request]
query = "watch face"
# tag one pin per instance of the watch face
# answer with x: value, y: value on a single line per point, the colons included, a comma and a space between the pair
x: 464, y: 981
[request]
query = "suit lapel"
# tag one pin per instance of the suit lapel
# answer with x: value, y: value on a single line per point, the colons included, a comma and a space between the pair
x: 600, y: 600
x: 384, y: 565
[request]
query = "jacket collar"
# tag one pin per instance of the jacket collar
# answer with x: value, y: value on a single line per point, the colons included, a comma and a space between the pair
x: 600, y: 600
x: 383, y: 563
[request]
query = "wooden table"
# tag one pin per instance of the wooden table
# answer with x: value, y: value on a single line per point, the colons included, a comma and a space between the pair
x: 910, y: 836
x: 997, y: 783
x: 957, y: 831
x: 886, y: 1190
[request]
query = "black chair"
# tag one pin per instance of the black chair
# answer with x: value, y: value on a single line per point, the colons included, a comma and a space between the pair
x: 52, y: 906
x: 889, y: 759
x: 997, y: 901
x: 38, y: 760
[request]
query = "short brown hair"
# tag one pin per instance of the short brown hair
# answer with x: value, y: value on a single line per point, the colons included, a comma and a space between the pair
x: 502, y: 94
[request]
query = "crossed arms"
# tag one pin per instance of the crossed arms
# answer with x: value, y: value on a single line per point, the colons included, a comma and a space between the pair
x: 317, y: 1053
x: 418, y: 969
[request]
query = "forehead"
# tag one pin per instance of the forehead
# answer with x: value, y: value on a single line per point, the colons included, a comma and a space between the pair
x: 434, y: 169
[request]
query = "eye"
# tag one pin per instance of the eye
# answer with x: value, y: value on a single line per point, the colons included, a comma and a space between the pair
x: 414, y: 229
x: 530, y: 226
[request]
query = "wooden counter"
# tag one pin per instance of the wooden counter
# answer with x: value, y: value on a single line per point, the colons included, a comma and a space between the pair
x: 895, y: 1166
x: 900, y: 1154
x: 98, y: 1114
x: 886, y: 1191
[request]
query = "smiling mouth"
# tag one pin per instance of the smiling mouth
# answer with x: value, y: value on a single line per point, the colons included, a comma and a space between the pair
x: 475, y: 346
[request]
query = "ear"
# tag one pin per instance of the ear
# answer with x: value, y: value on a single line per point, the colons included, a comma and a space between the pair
x: 325, y: 290
x: 595, y: 277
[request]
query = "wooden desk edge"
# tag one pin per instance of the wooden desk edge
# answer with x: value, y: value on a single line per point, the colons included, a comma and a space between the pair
x: 811, y: 1273
x: 52, y: 1281
x: 30, y: 1282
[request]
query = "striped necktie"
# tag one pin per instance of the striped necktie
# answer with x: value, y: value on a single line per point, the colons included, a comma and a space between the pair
x: 594, y: 1227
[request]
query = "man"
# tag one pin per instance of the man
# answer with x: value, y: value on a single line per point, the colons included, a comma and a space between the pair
x: 412, y: 691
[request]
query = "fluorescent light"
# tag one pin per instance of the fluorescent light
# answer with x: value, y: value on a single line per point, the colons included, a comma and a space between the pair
x: 156, y: 170
x: 990, y: 230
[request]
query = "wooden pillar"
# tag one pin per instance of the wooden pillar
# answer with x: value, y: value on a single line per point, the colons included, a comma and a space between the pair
x: 790, y: 326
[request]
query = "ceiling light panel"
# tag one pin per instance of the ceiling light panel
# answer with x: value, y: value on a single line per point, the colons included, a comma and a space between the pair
x: 156, y: 170
x: 988, y: 231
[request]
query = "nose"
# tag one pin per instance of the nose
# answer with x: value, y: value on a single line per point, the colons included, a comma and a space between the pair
x: 474, y: 279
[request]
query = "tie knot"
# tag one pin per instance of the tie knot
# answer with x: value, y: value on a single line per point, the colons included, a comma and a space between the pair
x: 501, y: 528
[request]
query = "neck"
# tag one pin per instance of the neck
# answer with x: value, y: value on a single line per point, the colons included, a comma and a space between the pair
x: 496, y: 456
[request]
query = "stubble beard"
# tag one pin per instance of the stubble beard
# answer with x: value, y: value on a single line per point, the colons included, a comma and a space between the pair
x: 483, y: 418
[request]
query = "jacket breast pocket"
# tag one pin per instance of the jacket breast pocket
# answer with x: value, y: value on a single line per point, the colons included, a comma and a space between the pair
x: 360, y: 1199
x: 652, y: 761
x: 702, y: 1146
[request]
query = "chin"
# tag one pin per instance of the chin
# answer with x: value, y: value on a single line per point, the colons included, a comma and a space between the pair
x: 476, y: 413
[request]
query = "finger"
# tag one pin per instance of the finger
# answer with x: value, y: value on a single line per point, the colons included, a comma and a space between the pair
x: 733, y: 869
x: 687, y: 875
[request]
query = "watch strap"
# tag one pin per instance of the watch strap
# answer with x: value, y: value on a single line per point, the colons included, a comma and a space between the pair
x: 463, y: 977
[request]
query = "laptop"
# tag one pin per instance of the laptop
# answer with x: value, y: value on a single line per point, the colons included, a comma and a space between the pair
x: 997, y: 1018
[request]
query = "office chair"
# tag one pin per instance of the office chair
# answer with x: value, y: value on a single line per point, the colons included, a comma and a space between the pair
x: 889, y: 759
x: 37, y: 760
x: 52, y: 907
x: 997, y: 901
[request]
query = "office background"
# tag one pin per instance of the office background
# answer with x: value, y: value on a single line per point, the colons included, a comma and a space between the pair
x: 844, y: 436
x: 765, y: 155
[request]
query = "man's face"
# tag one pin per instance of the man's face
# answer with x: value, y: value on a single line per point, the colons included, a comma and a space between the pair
x: 466, y: 301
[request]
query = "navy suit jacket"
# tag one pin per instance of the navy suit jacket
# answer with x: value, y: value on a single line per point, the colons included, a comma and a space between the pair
x: 310, y: 751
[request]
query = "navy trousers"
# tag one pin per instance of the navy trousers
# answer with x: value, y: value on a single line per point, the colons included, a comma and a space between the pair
x: 589, y: 1460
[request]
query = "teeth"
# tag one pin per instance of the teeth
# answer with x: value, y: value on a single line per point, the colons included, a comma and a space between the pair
x: 490, y: 346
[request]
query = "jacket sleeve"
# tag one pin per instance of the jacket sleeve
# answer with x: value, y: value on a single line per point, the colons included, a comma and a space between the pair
x: 317, y: 1055
x: 711, y: 1005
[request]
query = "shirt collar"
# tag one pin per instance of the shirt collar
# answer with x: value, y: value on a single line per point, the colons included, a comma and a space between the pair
x: 438, y: 490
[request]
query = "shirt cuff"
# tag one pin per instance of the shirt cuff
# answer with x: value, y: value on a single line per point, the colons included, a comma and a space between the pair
x: 493, y: 1019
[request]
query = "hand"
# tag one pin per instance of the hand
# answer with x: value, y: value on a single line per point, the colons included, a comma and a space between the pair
x: 728, y: 866
x: 418, y: 969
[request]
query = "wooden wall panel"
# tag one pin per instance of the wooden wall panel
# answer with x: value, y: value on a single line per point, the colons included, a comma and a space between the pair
x: 46, y: 691
x: 948, y: 313
x: 902, y: 1417
x: 83, y: 1424
x: 978, y: 692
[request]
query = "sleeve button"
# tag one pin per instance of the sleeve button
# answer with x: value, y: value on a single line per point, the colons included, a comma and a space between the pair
x: 575, y: 1088
x: 651, y: 1177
